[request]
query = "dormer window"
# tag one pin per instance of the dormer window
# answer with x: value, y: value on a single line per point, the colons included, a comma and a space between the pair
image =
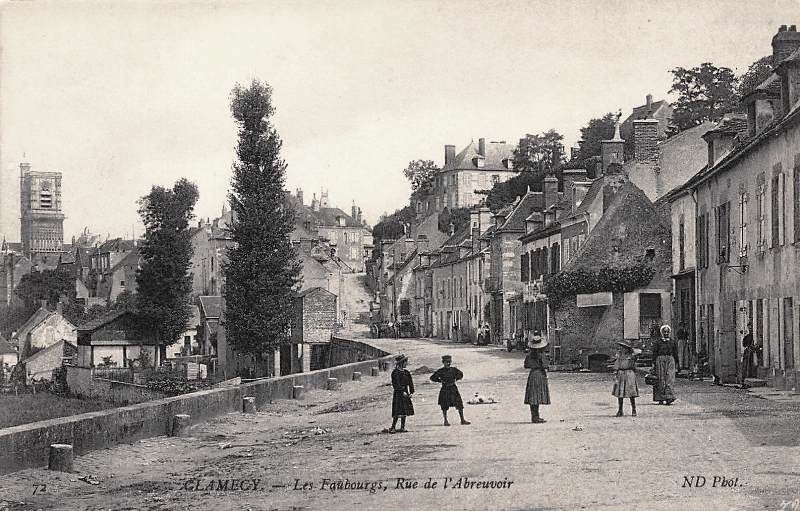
x: 342, y: 221
x: 509, y: 163
x: 480, y: 161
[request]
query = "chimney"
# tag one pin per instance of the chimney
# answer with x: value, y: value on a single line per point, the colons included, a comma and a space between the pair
x: 784, y: 43
x: 649, y: 103
x: 482, y: 147
x: 613, y: 150
x: 550, y: 186
x: 354, y: 211
x: 60, y: 308
x: 323, y: 199
x: 24, y: 168
x: 788, y: 69
x: 300, y: 196
x: 449, y: 154
x: 359, y: 217
x: 574, y: 152
x: 314, y: 202
x: 645, y: 140
x: 570, y: 176
x: 484, y: 218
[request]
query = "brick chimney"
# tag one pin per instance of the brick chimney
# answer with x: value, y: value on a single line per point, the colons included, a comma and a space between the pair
x: 649, y: 103
x: 789, y: 68
x: 550, y: 187
x: 484, y: 218
x: 449, y: 154
x: 784, y: 43
x: 482, y: 147
x: 645, y: 140
x: 613, y: 150
x: 570, y: 176
x: 300, y: 196
x: 354, y: 212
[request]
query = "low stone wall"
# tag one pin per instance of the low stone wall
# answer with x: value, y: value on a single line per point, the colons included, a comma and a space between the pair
x: 344, y: 351
x: 81, y: 383
x: 27, y: 445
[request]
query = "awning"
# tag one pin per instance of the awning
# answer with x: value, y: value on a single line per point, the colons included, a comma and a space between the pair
x: 595, y: 299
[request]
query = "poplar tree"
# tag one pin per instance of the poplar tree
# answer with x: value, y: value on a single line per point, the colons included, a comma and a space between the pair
x: 163, y: 281
x: 262, y: 267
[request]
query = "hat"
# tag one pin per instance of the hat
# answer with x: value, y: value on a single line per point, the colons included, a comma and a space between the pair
x: 625, y: 345
x: 446, y: 357
x: 665, y: 330
x: 537, y: 343
x: 400, y: 358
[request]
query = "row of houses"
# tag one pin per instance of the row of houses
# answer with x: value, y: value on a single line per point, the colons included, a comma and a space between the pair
x: 699, y: 230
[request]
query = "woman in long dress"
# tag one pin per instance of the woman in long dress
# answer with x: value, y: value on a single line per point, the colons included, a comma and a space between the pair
x: 625, y: 386
x: 537, y: 391
x: 403, y: 387
x: 665, y: 352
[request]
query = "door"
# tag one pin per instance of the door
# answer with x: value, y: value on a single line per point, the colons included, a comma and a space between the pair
x: 286, y: 359
x: 727, y: 342
x: 711, y: 333
x: 788, y: 333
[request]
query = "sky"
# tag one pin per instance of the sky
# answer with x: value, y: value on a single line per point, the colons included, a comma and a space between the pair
x: 120, y: 96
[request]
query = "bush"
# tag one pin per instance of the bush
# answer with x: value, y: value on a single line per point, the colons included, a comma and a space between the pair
x: 622, y: 280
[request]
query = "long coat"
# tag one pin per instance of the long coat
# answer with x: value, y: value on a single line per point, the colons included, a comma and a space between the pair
x: 448, y: 395
x: 403, y: 387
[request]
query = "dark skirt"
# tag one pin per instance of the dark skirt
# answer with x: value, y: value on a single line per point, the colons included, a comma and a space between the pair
x: 401, y: 405
x: 450, y: 397
x: 625, y: 385
x: 664, y: 369
x: 537, y: 391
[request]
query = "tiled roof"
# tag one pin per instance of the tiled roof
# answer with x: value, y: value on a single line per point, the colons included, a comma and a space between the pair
x: 641, y: 112
x: 132, y: 259
x: 212, y: 306
x: 731, y: 124
x: 6, y: 347
x: 97, y: 323
x: 36, y: 318
x: 58, y: 346
x: 311, y: 290
x: 496, y: 154
x: 515, y: 222
x: 116, y: 245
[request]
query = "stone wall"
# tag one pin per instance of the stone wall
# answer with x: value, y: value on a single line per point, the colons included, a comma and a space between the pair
x: 344, y: 351
x: 81, y: 383
x: 27, y: 445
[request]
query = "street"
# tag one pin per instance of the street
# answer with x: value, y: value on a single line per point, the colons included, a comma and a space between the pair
x: 328, y: 452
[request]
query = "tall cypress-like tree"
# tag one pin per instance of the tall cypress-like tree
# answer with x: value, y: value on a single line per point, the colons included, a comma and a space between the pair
x: 262, y: 266
x: 164, y: 284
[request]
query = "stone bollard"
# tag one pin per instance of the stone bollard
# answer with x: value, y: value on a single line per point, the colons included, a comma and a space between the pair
x: 374, y: 371
x: 383, y: 365
x: 180, y: 424
x: 356, y: 376
x: 249, y: 405
x: 297, y: 392
x: 60, y: 458
x: 333, y: 384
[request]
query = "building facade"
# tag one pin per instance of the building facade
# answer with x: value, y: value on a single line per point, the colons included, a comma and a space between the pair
x: 41, y: 213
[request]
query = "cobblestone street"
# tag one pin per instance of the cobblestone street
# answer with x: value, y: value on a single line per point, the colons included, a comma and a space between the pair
x: 301, y: 453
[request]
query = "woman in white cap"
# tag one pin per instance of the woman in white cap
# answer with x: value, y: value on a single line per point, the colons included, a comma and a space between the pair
x: 536, y: 391
x: 626, y: 385
x: 403, y: 387
x: 665, y: 352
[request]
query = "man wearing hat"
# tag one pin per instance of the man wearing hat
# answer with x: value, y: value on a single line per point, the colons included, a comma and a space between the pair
x: 449, y: 395
x: 626, y: 385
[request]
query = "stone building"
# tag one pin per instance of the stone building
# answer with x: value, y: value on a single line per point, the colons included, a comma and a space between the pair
x: 43, y: 329
x: 742, y: 213
x: 42, y: 217
x: 477, y: 167
x: 660, y: 111
x: 313, y: 323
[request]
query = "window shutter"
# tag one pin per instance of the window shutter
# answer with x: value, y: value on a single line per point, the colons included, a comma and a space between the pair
x: 796, y: 200
x: 775, y: 213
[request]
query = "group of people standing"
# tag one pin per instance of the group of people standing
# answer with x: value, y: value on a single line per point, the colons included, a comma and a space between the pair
x: 537, y: 390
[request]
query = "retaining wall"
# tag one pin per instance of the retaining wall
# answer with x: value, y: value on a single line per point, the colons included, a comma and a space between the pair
x: 81, y: 383
x: 27, y: 445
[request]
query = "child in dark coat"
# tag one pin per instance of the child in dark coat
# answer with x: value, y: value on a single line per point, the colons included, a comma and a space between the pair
x: 449, y: 395
x: 403, y: 387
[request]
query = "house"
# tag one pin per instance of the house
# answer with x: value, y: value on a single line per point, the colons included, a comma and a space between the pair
x: 43, y: 329
x: 741, y: 211
x: 14, y: 266
x: 110, y: 341
x: 477, y: 167
x: 8, y: 356
x: 313, y: 324
x: 40, y: 365
x: 119, y: 278
x: 189, y: 340
x: 210, y: 241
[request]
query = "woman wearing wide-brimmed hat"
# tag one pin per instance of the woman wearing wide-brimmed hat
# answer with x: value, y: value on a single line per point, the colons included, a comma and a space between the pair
x: 665, y: 352
x: 536, y: 391
x: 625, y: 386
x: 403, y: 387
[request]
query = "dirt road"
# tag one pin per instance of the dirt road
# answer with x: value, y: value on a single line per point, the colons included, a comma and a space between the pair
x: 328, y: 452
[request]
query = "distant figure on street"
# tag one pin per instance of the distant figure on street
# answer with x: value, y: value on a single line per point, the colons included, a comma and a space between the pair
x: 665, y: 352
x: 626, y: 386
x: 403, y: 387
x: 748, y: 369
x: 449, y: 395
x: 683, y: 346
x: 536, y: 391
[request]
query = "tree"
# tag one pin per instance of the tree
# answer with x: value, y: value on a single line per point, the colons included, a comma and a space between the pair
x: 539, y: 153
x: 421, y: 174
x: 755, y: 74
x: 262, y: 267
x: 705, y: 93
x: 595, y: 131
x: 47, y: 285
x: 507, y: 192
x: 458, y: 217
x: 393, y: 226
x: 164, y: 284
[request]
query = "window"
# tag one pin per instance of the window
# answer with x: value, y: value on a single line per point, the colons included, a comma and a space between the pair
x: 702, y: 241
x: 761, y: 205
x: 495, y: 179
x: 524, y: 268
x: 405, y: 307
x: 743, y: 225
x: 555, y: 253
x: 797, y: 198
x: 723, y: 233
x: 681, y: 245
x: 121, y: 283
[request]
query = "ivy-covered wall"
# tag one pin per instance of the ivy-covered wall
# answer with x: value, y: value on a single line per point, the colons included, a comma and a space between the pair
x: 589, y: 329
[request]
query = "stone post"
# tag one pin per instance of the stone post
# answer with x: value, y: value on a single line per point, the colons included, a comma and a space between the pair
x: 60, y: 458
x: 249, y: 405
x: 374, y: 371
x: 180, y: 424
x: 297, y: 392
x: 333, y: 384
x: 356, y: 376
